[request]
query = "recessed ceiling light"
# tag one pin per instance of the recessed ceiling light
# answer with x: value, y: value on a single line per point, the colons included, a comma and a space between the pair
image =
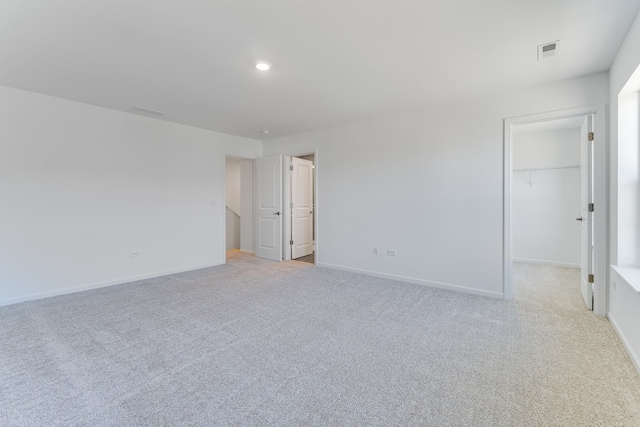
x: 265, y: 132
x: 263, y: 65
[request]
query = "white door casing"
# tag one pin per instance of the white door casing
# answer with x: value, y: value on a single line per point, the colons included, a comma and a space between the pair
x: 301, y: 207
x: 268, y: 240
x: 586, y: 218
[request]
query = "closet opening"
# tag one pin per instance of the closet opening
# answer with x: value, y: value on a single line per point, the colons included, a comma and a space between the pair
x: 546, y: 220
x: 555, y: 202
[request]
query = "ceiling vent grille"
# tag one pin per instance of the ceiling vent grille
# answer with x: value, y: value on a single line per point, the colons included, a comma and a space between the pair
x: 548, y: 50
x: 148, y: 111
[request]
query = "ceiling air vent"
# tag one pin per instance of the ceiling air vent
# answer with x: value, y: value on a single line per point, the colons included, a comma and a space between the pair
x: 548, y: 50
x: 147, y: 111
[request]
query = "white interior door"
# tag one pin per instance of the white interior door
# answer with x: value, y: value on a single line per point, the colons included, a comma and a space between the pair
x: 301, y: 207
x: 269, y: 208
x: 586, y: 167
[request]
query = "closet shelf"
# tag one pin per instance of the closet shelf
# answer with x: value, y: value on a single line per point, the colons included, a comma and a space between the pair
x: 531, y: 170
x: 547, y: 169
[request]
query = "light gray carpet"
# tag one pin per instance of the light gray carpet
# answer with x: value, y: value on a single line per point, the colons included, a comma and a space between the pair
x: 259, y: 343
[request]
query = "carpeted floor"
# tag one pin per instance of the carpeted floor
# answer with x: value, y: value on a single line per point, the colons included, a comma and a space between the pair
x: 256, y: 343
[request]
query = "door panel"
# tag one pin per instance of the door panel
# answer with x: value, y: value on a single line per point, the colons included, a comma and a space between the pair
x: 302, y: 207
x: 268, y: 233
x: 268, y: 184
x: 269, y: 208
x: 586, y: 241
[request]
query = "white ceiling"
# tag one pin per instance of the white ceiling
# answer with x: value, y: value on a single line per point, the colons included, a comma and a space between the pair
x: 334, y: 61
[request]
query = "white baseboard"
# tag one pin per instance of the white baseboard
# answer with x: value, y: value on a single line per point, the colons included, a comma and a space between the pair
x: 544, y: 262
x: 244, y: 251
x: 632, y: 355
x: 431, y: 284
x: 41, y: 295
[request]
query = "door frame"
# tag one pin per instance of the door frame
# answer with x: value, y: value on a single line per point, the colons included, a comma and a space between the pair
x: 600, y: 194
x: 286, y: 199
x: 294, y: 210
x: 224, y: 199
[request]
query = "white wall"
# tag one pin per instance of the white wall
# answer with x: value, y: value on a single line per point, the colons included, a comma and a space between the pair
x: 426, y: 183
x: 624, y: 305
x: 546, y: 149
x: 232, y: 220
x: 233, y: 187
x: 546, y: 203
x: 624, y: 302
x: 81, y: 187
x: 246, y: 205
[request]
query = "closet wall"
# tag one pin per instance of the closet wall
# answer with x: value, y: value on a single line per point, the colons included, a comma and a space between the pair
x: 546, y: 197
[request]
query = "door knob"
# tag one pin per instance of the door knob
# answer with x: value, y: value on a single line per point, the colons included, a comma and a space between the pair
x: 276, y: 213
x: 579, y: 219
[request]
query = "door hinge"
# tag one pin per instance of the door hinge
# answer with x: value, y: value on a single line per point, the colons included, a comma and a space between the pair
x: 291, y: 205
x: 591, y: 207
x: 592, y: 136
x: 291, y: 167
x: 591, y: 279
x: 291, y: 242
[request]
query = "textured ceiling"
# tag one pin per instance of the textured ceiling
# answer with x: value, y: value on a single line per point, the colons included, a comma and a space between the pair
x: 334, y: 61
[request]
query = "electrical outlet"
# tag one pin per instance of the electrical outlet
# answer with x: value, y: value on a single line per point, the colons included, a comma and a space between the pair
x: 613, y: 284
x: 391, y: 253
x: 134, y: 254
x: 375, y: 251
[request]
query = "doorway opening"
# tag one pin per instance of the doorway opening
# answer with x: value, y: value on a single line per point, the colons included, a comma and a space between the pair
x: 554, y: 182
x: 239, y: 208
x: 547, y: 179
x: 280, y: 199
x: 300, y: 207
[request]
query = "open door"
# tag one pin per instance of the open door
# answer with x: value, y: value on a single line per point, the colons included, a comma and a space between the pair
x: 269, y: 208
x: 586, y: 203
x: 301, y: 207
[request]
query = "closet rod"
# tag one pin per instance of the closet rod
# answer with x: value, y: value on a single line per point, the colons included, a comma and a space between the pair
x: 547, y: 169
